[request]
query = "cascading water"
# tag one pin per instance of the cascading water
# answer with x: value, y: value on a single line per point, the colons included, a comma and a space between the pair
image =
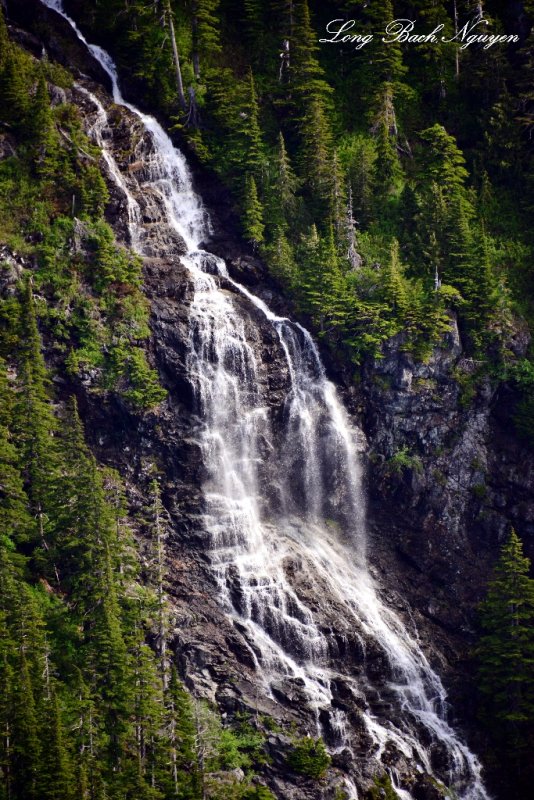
x: 286, y: 494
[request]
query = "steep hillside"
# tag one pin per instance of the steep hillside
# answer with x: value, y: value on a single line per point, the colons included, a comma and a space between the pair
x: 225, y: 540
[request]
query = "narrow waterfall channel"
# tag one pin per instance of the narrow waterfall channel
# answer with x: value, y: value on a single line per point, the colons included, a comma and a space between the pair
x: 295, y: 496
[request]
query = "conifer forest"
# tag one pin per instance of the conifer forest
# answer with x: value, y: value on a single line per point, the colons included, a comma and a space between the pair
x: 266, y: 399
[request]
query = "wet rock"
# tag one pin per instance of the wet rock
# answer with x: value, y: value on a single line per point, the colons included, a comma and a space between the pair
x: 45, y: 28
x: 12, y: 266
x: 426, y: 788
x: 436, y: 523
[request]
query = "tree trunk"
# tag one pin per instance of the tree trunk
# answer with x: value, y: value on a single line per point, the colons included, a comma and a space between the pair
x: 176, y: 56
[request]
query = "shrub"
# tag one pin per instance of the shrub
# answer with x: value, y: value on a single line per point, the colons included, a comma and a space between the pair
x: 402, y: 460
x: 309, y: 757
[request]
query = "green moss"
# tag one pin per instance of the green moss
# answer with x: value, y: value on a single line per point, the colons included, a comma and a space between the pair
x: 382, y: 790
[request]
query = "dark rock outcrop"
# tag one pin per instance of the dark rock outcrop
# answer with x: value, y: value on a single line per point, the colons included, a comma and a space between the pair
x: 446, y: 472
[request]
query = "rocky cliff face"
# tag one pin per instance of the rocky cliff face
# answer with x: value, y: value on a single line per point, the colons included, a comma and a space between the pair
x: 445, y: 472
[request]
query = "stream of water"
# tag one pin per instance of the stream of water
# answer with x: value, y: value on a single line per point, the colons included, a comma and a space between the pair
x: 293, y: 497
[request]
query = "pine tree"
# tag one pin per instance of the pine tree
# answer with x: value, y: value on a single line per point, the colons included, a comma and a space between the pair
x: 181, y: 736
x: 42, y: 131
x: 252, y: 212
x: 254, y: 26
x: 250, y: 131
x: 387, y: 62
x: 56, y: 780
x: 387, y: 166
x: 148, y: 714
x: 6, y: 682
x: 282, y: 259
x: 439, y: 62
x: 316, y: 155
x: 9, y: 649
x: 321, y: 280
x: 442, y: 160
x: 14, y: 90
x: 110, y: 663
x: 308, y: 94
x: 35, y: 425
x: 281, y: 200
x: 460, y: 267
x: 307, y: 75
x: 75, y: 538
x: 485, y: 293
x: 25, y: 747
x: 158, y: 536
x: 86, y: 738
x: 394, y: 282
x: 506, y: 651
x: 206, y: 36
x: 16, y: 525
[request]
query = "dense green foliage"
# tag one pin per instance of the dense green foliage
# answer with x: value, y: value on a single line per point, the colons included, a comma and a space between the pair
x: 383, y: 185
x: 88, y: 709
x: 506, y: 663
x: 382, y: 790
x: 309, y: 757
x: 52, y: 200
x: 91, y: 707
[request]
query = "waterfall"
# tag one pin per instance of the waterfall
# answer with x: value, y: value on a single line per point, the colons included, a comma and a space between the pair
x: 283, y: 501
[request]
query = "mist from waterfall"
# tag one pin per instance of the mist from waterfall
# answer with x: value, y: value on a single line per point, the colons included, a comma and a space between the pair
x: 284, y: 499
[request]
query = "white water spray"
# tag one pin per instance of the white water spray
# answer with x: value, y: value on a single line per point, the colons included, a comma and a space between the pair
x: 284, y: 502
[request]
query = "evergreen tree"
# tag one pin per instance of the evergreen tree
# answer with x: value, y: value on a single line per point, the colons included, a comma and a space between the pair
x: 16, y: 525
x: 252, y: 212
x: 442, y: 160
x: 436, y: 65
x: 148, y: 715
x: 387, y: 60
x: 387, y: 165
x: 307, y: 75
x: 35, y: 425
x: 42, y: 131
x: 506, y: 652
x: 76, y: 540
x: 6, y: 682
x: 206, y: 36
x: 321, y: 280
x: 56, y: 781
x: 393, y: 281
x: 14, y: 90
x: 250, y: 131
x: 254, y: 26
x: 282, y: 258
x: 181, y: 731
x: 25, y: 746
x: 460, y: 270
x: 316, y: 155
x: 281, y: 200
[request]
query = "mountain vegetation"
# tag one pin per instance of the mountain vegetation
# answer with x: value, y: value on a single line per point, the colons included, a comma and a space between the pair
x: 386, y: 188
x: 385, y: 185
x: 91, y: 706
x: 506, y: 664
